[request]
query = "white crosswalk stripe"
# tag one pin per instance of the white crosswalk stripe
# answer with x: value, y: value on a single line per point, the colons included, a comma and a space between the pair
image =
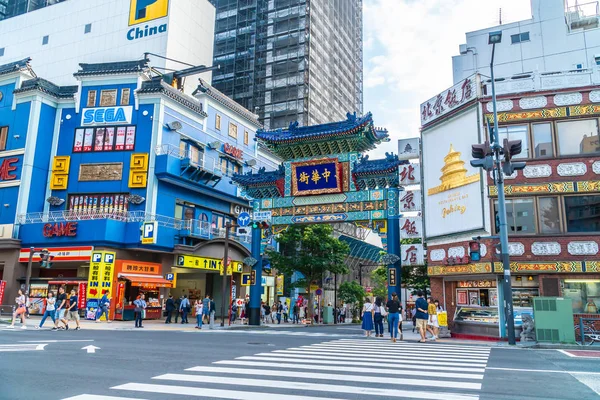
x: 350, y: 369
x: 288, y: 332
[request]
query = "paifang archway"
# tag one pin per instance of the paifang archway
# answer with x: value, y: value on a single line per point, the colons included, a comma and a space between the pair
x: 326, y: 178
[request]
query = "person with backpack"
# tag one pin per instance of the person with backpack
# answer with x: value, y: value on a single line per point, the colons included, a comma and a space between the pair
x: 103, y: 307
x: 140, y: 306
x: 49, y: 312
x: 20, y: 310
x: 185, y: 308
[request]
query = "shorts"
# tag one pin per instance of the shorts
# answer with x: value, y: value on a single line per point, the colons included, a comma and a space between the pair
x: 422, y: 323
x: 73, y: 316
x: 433, y: 321
x: 20, y: 310
x: 205, y: 311
x: 60, y: 314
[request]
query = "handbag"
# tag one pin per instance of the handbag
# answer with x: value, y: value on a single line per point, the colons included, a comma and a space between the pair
x: 383, y: 311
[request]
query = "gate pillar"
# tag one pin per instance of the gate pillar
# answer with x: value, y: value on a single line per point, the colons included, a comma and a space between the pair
x: 256, y: 287
x: 393, y: 243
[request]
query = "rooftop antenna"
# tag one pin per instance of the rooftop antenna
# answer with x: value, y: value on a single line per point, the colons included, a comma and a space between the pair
x: 500, y: 16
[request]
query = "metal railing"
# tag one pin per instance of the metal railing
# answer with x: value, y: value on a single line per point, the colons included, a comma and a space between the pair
x: 205, y: 162
x: 583, y: 16
x: 206, y: 230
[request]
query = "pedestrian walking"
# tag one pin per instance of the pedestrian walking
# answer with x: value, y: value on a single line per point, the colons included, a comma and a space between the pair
x: 394, y: 316
x: 233, y: 312
x: 177, y: 307
x: 206, y: 308
x: 49, y: 312
x: 185, y: 308
x: 279, y: 312
x: 273, y: 313
x: 421, y: 316
x: 20, y: 310
x: 199, y: 308
x: 61, y: 306
x: 367, y: 317
x: 295, y: 313
x: 432, y: 324
x: 285, y: 313
x: 73, y: 309
x: 243, y: 313
x: 378, y: 317
x: 413, y: 312
x: 140, y: 307
x: 103, y: 307
x: 263, y: 313
x: 213, y: 309
x: 169, y: 308
x: 267, y: 313
x: 343, y: 315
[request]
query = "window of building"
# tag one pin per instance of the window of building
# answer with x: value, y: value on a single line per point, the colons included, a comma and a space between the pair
x: 516, y: 132
x: 45, y: 40
x: 542, y: 140
x: 108, y: 98
x: 218, y: 122
x: 194, y: 153
x: 106, y: 138
x: 91, y: 98
x: 113, y: 204
x: 230, y: 167
x: 582, y: 213
x: 125, y: 94
x: 584, y: 293
x: 597, y: 59
x: 246, y: 138
x: 1, y: 51
x: 233, y: 130
x: 88, y: 28
x: 3, y: 137
x: 520, y: 216
x: 549, y: 215
x: 578, y: 137
x: 519, y: 37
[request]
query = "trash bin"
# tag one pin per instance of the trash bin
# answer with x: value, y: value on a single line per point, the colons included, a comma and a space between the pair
x: 328, y: 315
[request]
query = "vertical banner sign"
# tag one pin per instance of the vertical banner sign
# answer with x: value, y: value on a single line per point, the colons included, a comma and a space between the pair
x: 2, y: 287
x: 392, y: 276
x: 411, y: 228
x: 81, y: 295
x: 120, y: 295
x: 99, y: 280
x: 442, y: 318
x: 279, y: 285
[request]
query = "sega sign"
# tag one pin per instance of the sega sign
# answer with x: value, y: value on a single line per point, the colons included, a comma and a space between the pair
x: 106, y: 115
x: 149, y: 230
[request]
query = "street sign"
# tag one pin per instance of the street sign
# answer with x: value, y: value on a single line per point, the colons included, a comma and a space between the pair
x: 243, y: 231
x: 262, y: 216
x: 246, y: 279
x: 169, y: 277
x: 319, y: 292
x: 243, y: 219
x: 149, y: 230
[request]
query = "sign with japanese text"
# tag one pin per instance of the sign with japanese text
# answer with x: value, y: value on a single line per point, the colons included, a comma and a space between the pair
x: 410, y: 200
x: 262, y: 216
x: 477, y: 284
x: 2, y: 288
x: 138, y: 267
x: 392, y: 277
x: 410, y: 174
x: 279, y: 285
x: 211, y: 264
x: 408, y: 149
x: 100, y: 280
x: 450, y: 99
x: 316, y: 177
x: 442, y: 318
x: 412, y: 254
x: 411, y: 228
x: 64, y: 254
x: 81, y: 295
x: 149, y: 232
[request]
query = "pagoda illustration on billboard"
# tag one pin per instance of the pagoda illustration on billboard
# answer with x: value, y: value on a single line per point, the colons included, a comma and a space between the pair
x: 454, y: 174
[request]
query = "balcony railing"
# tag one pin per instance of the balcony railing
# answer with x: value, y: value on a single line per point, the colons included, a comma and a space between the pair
x: 206, y: 230
x: 204, y: 162
x: 583, y: 16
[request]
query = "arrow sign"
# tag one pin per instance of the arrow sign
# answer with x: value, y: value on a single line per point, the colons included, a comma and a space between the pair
x: 90, y: 349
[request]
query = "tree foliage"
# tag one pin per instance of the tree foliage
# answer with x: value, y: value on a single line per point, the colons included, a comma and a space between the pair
x: 414, y: 277
x: 353, y: 294
x: 379, y: 282
x: 310, y: 250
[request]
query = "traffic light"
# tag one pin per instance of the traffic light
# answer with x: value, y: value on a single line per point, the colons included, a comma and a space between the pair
x: 511, y: 148
x: 483, y: 154
x: 260, y: 225
x: 475, y: 250
x: 46, y: 259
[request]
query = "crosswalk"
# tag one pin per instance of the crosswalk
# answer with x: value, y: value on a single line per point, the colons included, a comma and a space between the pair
x: 288, y: 332
x: 350, y: 369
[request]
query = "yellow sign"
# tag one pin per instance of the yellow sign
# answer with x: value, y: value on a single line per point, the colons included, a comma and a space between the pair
x: 454, y: 174
x: 102, y: 271
x: 210, y: 264
x: 279, y: 285
x: 147, y: 10
x: 442, y: 318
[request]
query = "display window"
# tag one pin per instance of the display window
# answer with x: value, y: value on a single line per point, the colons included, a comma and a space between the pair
x: 104, y: 138
x: 584, y: 293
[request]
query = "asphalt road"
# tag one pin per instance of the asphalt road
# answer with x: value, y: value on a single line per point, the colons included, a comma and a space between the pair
x: 279, y: 364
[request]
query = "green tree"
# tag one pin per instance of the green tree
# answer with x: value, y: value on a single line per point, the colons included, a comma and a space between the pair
x: 310, y: 250
x: 379, y: 282
x: 352, y: 293
x: 415, y: 277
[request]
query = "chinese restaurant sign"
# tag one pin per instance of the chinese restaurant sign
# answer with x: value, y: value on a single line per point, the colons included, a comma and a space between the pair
x: 316, y: 177
x: 411, y: 228
x: 449, y: 100
x: 410, y: 174
x: 134, y: 267
x: 410, y: 200
x: 412, y: 254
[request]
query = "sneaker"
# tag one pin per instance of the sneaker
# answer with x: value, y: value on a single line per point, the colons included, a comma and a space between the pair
x: 24, y: 327
x: 78, y: 328
x: 54, y: 329
x: 10, y: 327
x: 37, y: 327
x: 66, y: 327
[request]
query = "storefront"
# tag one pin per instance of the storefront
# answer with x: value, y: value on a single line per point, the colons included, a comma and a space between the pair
x: 134, y: 278
x: 584, y: 293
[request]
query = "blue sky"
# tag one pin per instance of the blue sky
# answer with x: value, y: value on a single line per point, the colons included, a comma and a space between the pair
x: 408, y: 49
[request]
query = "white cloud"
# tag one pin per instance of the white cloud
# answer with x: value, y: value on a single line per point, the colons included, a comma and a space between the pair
x: 408, y: 59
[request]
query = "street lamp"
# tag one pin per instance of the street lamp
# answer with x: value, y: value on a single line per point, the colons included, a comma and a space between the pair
x: 495, y: 38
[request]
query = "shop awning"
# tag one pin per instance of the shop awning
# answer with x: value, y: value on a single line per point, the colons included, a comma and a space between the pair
x: 146, y: 281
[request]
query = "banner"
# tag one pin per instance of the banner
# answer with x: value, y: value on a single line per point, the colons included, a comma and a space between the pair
x: 411, y: 228
x: 279, y: 285
x: 2, y: 287
x: 412, y: 254
x: 81, y: 295
x: 100, y: 280
x: 442, y: 318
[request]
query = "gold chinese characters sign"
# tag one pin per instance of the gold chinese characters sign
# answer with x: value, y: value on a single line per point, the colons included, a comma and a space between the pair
x: 316, y: 177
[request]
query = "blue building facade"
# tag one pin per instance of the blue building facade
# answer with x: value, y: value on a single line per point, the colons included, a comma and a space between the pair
x: 121, y: 163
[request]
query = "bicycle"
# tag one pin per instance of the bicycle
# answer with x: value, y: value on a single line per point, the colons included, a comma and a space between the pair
x: 590, y: 335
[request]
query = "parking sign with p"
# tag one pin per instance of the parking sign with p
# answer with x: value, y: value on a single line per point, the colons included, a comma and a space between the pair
x: 149, y: 230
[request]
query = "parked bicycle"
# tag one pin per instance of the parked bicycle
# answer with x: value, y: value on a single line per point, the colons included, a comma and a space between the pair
x: 590, y: 334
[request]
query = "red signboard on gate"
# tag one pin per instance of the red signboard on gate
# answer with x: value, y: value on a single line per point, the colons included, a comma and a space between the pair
x: 2, y: 287
x: 81, y: 297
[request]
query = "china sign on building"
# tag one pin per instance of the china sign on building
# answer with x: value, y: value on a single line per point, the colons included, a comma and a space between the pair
x: 412, y: 254
x: 316, y: 177
x: 411, y: 228
x: 449, y: 100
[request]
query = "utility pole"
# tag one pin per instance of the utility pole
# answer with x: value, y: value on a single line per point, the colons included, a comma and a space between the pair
x: 225, y: 266
x: 335, y: 316
x: 360, y: 266
x: 29, y: 265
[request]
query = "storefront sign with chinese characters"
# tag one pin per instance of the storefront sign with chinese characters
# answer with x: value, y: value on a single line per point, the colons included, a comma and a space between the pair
x: 410, y: 200
x: 135, y: 267
x: 316, y: 177
x: 412, y: 254
x: 81, y: 299
x: 75, y: 253
x: 2, y: 287
x: 456, y: 260
x: 477, y: 284
x: 392, y: 277
x: 233, y: 151
x: 449, y: 100
x: 410, y: 174
x: 59, y: 229
x: 411, y: 228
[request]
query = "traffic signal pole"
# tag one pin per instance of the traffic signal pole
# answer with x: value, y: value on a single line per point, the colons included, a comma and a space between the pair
x: 29, y: 266
x: 499, y: 180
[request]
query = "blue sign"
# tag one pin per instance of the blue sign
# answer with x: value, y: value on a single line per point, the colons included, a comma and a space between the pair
x: 149, y: 232
x: 170, y: 277
x: 243, y: 219
x: 315, y: 177
x: 106, y: 115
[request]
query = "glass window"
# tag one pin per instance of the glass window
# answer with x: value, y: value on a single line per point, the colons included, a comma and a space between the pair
x: 583, y: 213
x: 218, y: 122
x: 516, y: 132
x: 45, y: 40
x: 91, y: 98
x: 520, y: 216
x: 196, y: 155
x: 578, y: 137
x: 549, y: 215
x: 584, y: 293
x: 3, y: 137
x: 542, y: 140
x: 125, y: 94
x: 88, y: 28
x: 246, y: 138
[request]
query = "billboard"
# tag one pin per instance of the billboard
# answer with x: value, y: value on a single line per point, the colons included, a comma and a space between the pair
x: 452, y: 187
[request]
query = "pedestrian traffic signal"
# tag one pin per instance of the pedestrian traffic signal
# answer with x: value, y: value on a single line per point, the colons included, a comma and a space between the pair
x: 46, y: 259
x: 475, y: 250
x: 511, y: 148
x: 483, y: 156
